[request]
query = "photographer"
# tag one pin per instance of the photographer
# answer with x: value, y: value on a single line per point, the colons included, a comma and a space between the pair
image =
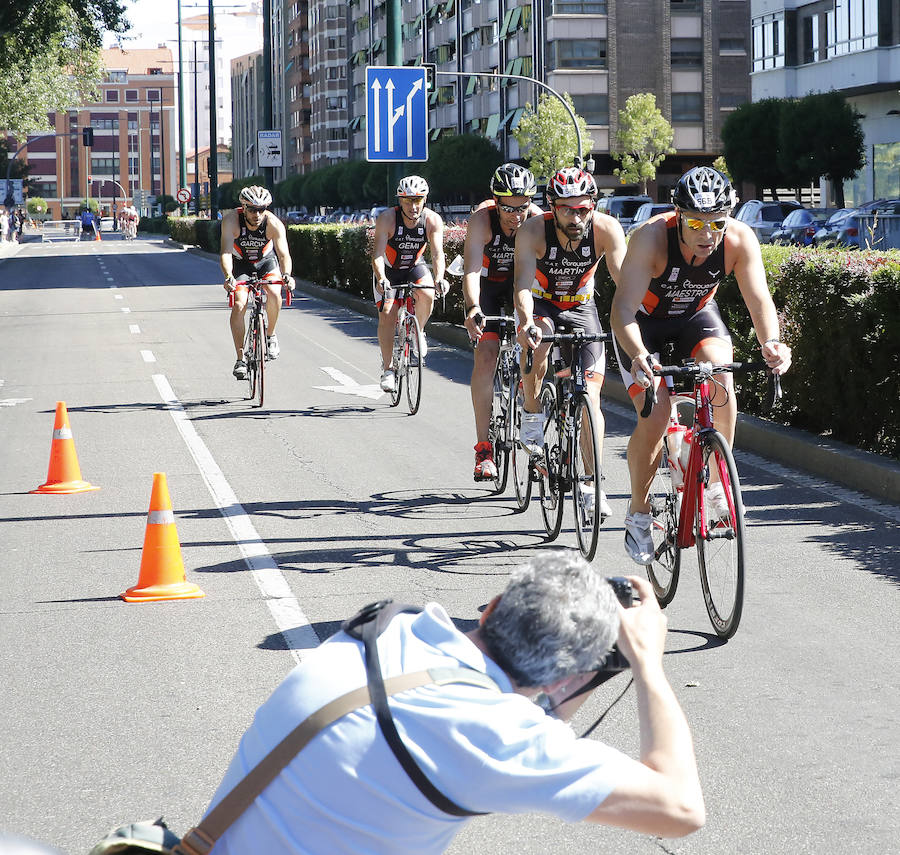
x: 485, y: 749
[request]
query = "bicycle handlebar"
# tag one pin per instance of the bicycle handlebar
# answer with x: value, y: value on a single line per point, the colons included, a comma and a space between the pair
x: 700, y: 371
x: 287, y: 291
x: 578, y: 336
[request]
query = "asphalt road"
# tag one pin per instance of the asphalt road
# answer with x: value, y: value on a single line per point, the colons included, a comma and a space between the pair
x: 292, y: 517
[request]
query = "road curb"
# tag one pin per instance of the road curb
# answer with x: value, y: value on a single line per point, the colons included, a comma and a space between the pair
x: 860, y: 470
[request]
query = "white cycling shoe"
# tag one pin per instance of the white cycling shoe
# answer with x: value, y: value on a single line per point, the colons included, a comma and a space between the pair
x: 273, y: 351
x: 388, y: 381
x: 638, y: 537
x: 531, y: 434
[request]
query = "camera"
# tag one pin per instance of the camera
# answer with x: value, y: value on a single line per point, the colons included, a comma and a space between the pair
x: 624, y: 591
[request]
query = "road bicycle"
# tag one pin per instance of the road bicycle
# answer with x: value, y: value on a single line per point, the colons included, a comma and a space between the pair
x: 571, y: 458
x: 129, y: 229
x: 406, y: 359
x: 256, y: 347
x: 691, y: 461
x: 503, y: 430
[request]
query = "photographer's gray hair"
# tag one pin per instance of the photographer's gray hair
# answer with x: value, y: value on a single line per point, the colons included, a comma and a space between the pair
x: 558, y: 616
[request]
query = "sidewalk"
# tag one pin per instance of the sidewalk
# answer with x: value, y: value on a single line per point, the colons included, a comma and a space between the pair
x: 860, y: 470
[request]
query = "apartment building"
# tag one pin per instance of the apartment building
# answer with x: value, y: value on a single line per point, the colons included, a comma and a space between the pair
x: 852, y: 46
x: 297, y: 88
x: 247, y: 111
x: 694, y: 55
x: 135, y: 125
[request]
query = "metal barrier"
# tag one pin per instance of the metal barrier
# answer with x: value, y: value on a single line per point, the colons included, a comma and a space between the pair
x: 879, y: 231
x: 61, y: 230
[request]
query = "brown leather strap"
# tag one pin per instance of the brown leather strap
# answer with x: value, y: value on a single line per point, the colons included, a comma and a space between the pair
x: 200, y: 839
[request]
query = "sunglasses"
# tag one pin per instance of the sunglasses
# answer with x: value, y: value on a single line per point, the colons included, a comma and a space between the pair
x: 253, y: 209
x: 696, y: 225
x: 569, y: 211
x: 514, y: 209
x: 416, y: 200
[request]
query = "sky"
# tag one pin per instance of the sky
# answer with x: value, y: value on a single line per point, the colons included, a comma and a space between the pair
x: 154, y: 22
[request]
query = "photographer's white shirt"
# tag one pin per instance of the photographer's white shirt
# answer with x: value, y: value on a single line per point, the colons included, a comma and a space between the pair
x: 346, y: 793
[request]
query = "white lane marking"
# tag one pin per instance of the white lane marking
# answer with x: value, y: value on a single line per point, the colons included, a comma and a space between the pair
x: 349, y: 386
x: 283, y: 605
x: 147, y: 356
x: 126, y: 310
x: 11, y: 402
x: 134, y: 329
x: 834, y: 492
x: 119, y: 297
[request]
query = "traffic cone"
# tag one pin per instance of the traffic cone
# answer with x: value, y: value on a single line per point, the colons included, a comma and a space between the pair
x: 96, y: 234
x: 63, y: 474
x: 162, y: 570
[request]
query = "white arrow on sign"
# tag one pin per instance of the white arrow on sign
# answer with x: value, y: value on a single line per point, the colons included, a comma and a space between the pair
x: 393, y: 115
x: 409, y: 122
x: 349, y: 386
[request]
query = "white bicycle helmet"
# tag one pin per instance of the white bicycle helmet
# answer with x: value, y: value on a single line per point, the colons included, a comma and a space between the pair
x: 412, y: 185
x: 256, y: 196
x: 571, y: 182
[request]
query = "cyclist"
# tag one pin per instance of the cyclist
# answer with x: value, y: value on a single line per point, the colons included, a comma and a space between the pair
x: 401, y: 233
x: 488, y: 286
x: 556, y: 258
x: 129, y: 219
x: 675, y: 263
x: 252, y: 240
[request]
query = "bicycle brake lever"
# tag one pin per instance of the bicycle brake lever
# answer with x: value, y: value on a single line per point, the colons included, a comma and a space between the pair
x: 529, y: 361
x: 776, y: 390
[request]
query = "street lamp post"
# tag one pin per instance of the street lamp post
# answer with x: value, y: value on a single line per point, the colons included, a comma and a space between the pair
x: 213, y: 132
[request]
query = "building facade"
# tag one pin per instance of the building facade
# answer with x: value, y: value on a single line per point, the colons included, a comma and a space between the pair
x: 134, y: 128
x: 297, y: 88
x: 247, y: 113
x: 851, y: 46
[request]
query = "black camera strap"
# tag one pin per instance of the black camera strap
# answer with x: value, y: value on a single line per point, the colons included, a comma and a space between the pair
x: 366, y: 626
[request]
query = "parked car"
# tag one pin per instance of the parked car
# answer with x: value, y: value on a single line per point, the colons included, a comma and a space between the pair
x: 623, y: 208
x: 827, y: 232
x: 765, y: 217
x: 852, y: 233
x: 800, y: 226
x: 294, y: 218
x: 645, y: 212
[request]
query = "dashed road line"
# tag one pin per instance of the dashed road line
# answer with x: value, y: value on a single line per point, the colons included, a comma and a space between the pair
x: 147, y: 356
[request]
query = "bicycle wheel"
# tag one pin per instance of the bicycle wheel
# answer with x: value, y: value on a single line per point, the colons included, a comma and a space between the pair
x: 250, y: 355
x: 521, y: 459
x: 586, y: 477
x: 397, y: 365
x: 663, y: 572
x: 497, y: 430
x: 549, y: 469
x: 720, y: 543
x: 413, y: 364
x: 260, y: 360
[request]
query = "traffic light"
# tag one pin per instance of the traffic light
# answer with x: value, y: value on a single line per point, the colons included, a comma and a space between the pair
x: 429, y: 75
x: 87, y: 137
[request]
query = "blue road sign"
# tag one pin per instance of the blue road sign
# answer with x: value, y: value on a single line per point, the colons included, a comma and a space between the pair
x: 396, y: 114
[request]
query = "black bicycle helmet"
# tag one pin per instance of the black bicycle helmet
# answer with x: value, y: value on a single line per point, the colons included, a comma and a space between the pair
x: 704, y: 190
x: 510, y: 179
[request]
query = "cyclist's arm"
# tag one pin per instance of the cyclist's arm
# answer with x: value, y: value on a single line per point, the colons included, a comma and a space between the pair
x: 436, y: 239
x: 612, y: 241
x: 383, y: 227
x: 229, y: 233
x: 638, y: 268
x: 281, y: 247
x: 751, y: 278
x: 478, y: 234
x: 529, y: 240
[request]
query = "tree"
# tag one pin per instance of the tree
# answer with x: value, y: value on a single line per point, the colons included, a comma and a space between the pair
x: 351, y: 183
x: 52, y: 52
x: 643, y: 140
x: 820, y: 135
x: 750, y: 142
x: 720, y: 164
x: 461, y: 167
x: 36, y: 207
x: 546, y: 136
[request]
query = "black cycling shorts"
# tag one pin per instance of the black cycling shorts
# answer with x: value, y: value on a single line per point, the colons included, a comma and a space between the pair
x: 241, y: 268
x: 583, y: 316
x: 686, y: 335
x: 418, y: 274
x: 493, y: 297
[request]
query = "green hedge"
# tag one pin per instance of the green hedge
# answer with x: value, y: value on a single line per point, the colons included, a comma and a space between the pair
x: 840, y: 312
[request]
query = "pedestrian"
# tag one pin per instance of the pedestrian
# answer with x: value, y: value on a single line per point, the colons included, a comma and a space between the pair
x: 4, y: 224
x: 485, y: 749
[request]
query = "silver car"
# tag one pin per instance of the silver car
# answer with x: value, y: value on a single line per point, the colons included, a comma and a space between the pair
x: 765, y: 218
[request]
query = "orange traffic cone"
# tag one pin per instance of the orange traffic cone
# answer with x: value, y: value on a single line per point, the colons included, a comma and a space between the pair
x: 162, y: 570
x: 63, y: 475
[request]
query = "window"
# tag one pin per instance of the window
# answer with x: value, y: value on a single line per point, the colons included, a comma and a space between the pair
x: 851, y: 26
x: 332, y: 13
x: 337, y: 134
x: 153, y: 94
x: 336, y: 72
x: 687, y: 54
x: 594, y: 109
x: 687, y: 106
x: 336, y: 103
x: 574, y: 7
x: 112, y: 96
x: 581, y: 53
x: 768, y: 41
x: 116, y: 76
x: 732, y: 46
x: 692, y: 7
x: 732, y: 100
x: 131, y: 95
x: 811, y: 39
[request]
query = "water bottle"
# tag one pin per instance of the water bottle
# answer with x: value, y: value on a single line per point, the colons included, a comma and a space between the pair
x: 675, y: 443
x: 686, y: 450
